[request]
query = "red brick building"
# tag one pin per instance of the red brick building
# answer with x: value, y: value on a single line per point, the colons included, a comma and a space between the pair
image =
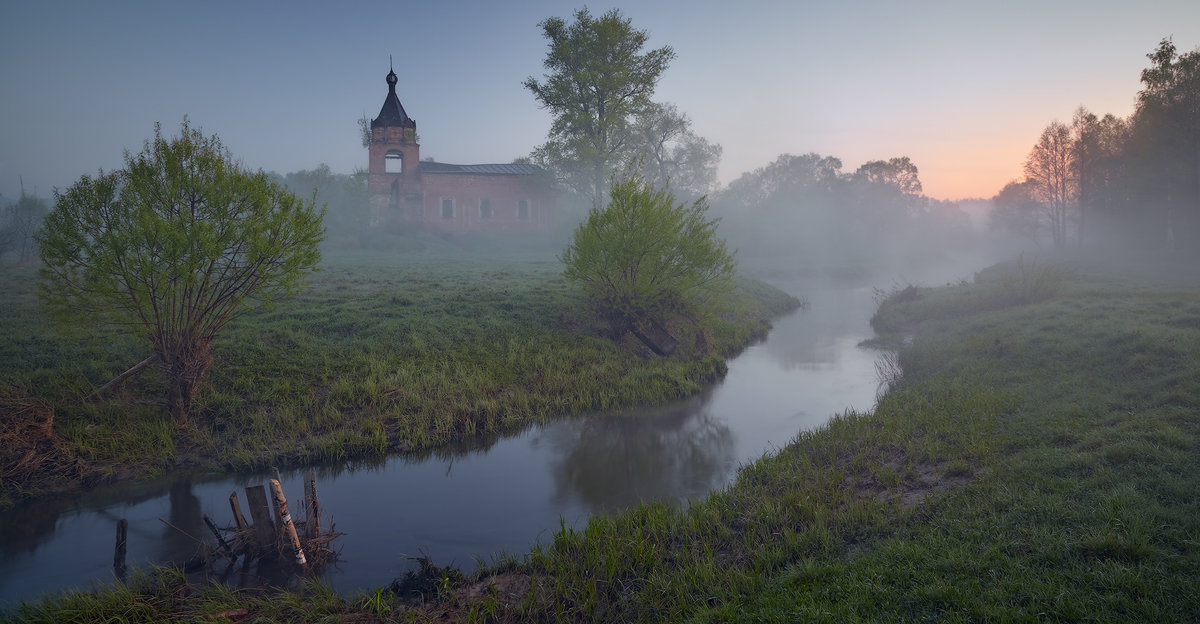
x: 407, y: 193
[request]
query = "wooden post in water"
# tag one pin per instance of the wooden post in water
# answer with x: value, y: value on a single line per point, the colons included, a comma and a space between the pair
x: 289, y: 529
x: 238, y: 518
x: 312, y: 508
x: 119, y: 555
x: 264, y: 529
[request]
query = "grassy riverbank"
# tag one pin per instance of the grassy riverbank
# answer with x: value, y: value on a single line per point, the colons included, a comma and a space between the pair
x: 1037, y: 461
x: 386, y: 352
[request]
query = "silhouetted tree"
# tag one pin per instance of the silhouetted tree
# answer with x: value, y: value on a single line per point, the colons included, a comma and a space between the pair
x: 1167, y: 129
x: 1050, y: 169
x: 887, y: 191
x: 899, y: 173
x: 1015, y: 210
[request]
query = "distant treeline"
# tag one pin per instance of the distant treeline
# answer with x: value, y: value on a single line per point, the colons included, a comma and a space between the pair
x: 805, y: 209
x: 1107, y: 180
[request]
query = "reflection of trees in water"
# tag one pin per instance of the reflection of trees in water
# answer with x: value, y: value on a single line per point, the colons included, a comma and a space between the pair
x: 24, y: 527
x: 611, y: 462
x: 179, y: 540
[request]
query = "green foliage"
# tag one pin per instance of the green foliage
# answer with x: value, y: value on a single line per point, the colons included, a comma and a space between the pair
x: 172, y: 246
x: 1050, y: 476
x: 643, y: 258
x: 382, y: 352
x: 598, y: 79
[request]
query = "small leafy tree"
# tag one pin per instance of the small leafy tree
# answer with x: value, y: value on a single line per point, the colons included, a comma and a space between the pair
x: 643, y: 259
x: 172, y: 246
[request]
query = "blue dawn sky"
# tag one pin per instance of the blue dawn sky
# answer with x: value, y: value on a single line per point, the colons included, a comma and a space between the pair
x: 962, y: 88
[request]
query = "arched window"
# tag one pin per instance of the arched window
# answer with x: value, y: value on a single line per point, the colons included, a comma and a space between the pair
x: 393, y: 162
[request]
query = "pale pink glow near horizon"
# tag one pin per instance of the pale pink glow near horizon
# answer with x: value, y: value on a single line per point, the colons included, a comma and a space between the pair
x: 962, y: 89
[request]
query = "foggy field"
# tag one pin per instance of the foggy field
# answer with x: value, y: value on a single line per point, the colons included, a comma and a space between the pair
x: 1036, y: 460
x: 563, y: 288
x: 387, y: 351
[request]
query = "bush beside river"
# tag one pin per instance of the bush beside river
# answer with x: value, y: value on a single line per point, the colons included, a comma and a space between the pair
x: 385, y: 352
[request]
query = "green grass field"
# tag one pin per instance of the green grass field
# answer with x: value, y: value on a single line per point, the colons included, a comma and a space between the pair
x: 1035, y: 462
x: 385, y: 352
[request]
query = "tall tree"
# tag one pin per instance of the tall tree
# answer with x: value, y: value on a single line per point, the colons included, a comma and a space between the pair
x: 1050, y: 168
x: 172, y: 246
x: 887, y: 190
x: 599, y: 78
x: 1168, y: 122
x: 667, y: 152
x: 1016, y: 211
x: 1085, y: 127
x: 899, y: 173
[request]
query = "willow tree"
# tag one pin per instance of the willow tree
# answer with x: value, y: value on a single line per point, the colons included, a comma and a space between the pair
x: 643, y: 259
x: 174, y: 246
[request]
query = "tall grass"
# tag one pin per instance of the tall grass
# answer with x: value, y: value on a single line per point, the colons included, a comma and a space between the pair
x: 1036, y: 463
x: 384, y: 353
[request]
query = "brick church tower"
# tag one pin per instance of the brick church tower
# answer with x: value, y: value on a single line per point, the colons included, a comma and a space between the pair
x: 394, y: 178
x: 409, y: 195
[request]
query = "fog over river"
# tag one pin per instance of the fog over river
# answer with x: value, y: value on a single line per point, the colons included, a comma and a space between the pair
x: 462, y: 505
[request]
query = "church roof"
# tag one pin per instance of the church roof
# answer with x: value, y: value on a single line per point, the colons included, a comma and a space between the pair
x: 495, y: 169
x: 392, y: 113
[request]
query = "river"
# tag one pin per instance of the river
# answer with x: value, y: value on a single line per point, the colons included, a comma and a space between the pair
x: 460, y: 506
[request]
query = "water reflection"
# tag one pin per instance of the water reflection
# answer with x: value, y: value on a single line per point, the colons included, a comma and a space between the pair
x: 674, y: 454
x: 466, y: 502
x: 184, y: 524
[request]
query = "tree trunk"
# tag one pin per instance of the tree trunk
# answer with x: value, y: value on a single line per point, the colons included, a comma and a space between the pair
x: 655, y: 337
x: 185, y: 363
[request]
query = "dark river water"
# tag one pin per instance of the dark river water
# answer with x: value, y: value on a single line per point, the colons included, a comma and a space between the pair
x: 464, y: 505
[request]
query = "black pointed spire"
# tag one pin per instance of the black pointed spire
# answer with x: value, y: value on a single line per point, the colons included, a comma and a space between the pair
x: 392, y: 113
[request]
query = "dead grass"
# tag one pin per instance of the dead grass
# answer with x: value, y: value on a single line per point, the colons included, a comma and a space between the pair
x: 32, y: 455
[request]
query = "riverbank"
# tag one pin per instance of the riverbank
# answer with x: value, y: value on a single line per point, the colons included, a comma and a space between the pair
x: 385, y: 352
x: 1035, y: 461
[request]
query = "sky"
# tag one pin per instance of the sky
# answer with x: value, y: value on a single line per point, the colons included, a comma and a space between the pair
x: 962, y: 88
